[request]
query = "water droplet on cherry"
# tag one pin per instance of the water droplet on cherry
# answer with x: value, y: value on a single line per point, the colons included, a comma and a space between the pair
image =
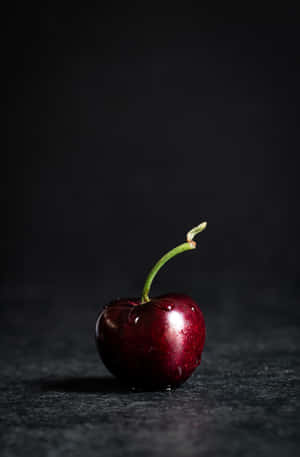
x: 166, y: 306
x: 132, y: 317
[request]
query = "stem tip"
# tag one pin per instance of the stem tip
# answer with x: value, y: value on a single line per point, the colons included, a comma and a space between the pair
x: 194, y: 231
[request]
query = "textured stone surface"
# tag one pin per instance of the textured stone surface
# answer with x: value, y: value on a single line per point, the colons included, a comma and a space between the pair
x: 57, y: 399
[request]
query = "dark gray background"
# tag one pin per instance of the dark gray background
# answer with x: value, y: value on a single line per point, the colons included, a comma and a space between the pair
x: 127, y: 126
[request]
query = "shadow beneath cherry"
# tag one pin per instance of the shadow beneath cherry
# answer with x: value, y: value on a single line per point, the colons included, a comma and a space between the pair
x: 91, y: 385
x: 87, y: 385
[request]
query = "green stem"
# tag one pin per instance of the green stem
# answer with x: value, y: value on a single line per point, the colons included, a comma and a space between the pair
x: 190, y: 244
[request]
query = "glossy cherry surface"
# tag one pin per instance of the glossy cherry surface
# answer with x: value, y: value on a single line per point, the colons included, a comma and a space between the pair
x: 154, y: 344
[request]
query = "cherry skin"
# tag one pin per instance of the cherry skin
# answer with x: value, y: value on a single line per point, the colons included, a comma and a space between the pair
x: 156, y: 344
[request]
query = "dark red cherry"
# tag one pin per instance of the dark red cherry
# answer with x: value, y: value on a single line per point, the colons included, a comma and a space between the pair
x: 154, y: 344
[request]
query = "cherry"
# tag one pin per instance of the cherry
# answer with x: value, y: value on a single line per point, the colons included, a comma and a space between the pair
x: 153, y: 343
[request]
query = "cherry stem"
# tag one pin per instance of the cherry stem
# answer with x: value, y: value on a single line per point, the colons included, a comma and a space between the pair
x: 190, y: 244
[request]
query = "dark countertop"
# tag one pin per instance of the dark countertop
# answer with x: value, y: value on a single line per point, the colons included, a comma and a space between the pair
x: 57, y: 398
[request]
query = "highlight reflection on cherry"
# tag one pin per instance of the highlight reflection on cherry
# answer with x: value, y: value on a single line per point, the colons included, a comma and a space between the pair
x: 157, y: 342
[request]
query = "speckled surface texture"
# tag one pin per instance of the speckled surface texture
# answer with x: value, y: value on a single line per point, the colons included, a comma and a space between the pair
x: 57, y: 399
